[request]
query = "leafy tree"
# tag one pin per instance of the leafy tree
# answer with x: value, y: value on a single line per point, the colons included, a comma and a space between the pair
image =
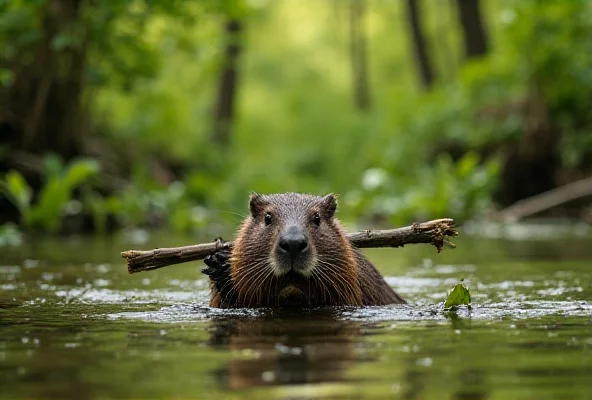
x: 57, y: 51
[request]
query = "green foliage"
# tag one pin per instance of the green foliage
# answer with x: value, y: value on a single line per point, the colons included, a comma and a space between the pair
x: 152, y: 75
x: 19, y: 190
x: 137, y: 207
x: 10, y: 235
x: 291, y: 136
x: 461, y: 189
x: 146, y: 204
x: 458, y: 296
x: 47, y: 211
x: 19, y: 27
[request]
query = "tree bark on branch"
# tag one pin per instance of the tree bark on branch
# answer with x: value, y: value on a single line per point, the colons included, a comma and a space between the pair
x: 433, y: 232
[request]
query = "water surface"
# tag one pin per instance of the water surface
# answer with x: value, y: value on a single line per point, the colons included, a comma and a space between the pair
x: 74, y: 324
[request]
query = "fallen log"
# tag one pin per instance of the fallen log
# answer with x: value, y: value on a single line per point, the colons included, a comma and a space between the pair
x: 433, y: 232
x: 546, y: 200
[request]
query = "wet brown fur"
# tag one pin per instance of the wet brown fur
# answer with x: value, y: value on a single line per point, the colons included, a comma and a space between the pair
x: 341, y: 276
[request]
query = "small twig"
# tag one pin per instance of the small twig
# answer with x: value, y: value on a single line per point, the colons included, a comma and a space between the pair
x: 432, y: 232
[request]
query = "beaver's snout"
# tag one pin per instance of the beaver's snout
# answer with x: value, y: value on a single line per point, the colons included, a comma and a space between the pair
x: 293, y: 251
x: 293, y: 242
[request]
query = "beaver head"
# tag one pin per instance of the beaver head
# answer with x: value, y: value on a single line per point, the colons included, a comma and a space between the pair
x: 292, y: 250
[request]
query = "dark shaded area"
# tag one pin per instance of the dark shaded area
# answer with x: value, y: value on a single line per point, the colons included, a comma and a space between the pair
x: 224, y: 108
x: 359, y: 59
x: 44, y: 107
x: 422, y: 59
x: 471, y: 21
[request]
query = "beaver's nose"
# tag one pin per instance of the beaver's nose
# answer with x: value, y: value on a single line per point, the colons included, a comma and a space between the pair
x: 293, y: 242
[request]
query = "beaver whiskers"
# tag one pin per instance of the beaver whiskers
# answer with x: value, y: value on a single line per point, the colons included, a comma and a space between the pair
x: 292, y: 251
x: 326, y: 283
x: 345, y: 289
x: 248, y: 275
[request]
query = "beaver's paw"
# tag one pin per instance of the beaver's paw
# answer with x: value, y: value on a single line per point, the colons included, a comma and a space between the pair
x: 218, y: 269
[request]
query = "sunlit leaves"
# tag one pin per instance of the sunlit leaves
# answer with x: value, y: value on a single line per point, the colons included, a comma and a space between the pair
x: 18, y: 190
x: 47, y: 211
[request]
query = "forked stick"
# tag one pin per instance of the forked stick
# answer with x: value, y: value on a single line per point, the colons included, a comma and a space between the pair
x: 433, y: 232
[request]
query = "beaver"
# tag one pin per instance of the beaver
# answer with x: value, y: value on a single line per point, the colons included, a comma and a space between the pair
x: 291, y: 251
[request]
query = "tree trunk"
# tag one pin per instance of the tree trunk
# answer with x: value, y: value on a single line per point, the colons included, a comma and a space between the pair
x: 531, y: 162
x: 358, y: 55
x: 475, y: 39
x: 43, y: 111
x: 224, y: 107
x: 419, y: 44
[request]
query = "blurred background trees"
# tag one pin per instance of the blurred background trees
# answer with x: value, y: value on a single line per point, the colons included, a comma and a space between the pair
x: 167, y: 113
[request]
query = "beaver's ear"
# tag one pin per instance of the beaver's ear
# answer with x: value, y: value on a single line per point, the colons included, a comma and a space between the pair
x: 329, y: 203
x: 256, y: 204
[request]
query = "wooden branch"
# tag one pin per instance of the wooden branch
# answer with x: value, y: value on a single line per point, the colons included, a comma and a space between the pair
x: 432, y: 232
x: 546, y: 200
x: 146, y: 260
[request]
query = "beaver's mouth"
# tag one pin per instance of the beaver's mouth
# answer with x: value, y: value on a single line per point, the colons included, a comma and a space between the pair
x: 292, y: 278
x: 291, y: 292
x: 301, y: 266
x: 291, y: 296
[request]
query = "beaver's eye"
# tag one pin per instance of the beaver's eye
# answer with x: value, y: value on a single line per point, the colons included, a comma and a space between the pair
x: 316, y: 218
x: 267, y: 218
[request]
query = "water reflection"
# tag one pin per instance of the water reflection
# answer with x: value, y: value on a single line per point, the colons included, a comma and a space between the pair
x: 86, y: 329
x: 295, y: 349
x: 287, y: 348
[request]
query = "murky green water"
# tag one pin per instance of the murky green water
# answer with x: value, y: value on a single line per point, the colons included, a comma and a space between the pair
x: 74, y: 324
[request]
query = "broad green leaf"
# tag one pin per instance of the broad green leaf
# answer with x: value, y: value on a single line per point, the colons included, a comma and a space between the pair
x: 19, y: 190
x: 80, y: 171
x: 47, y: 212
x: 458, y: 296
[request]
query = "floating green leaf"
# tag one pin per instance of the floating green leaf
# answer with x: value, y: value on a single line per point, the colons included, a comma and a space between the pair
x: 458, y: 296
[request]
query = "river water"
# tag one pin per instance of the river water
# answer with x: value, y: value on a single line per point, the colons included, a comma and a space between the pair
x: 75, y: 325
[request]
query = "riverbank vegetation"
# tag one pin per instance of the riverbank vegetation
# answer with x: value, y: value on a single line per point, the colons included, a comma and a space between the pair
x: 168, y: 113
